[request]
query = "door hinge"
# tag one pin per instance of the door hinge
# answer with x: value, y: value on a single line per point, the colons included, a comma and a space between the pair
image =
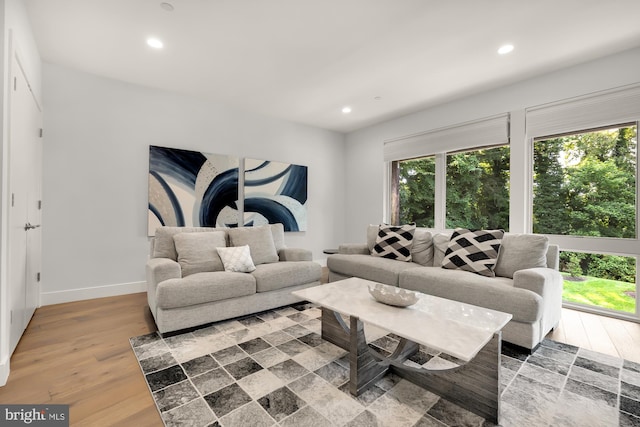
x: 15, y: 83
x: 11, y: 316
x: 13, y: 199
x: 38, y: 277
x: 39, y: 204
x: 41, y: 132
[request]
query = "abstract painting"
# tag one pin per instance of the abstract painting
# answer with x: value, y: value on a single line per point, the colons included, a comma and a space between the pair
x: 190, y: 188
x: 275, y: 193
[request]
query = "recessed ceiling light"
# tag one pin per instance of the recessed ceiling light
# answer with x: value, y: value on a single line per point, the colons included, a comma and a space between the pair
x: 346, y: 110
x: 155, y: 43
x: 504, y: 49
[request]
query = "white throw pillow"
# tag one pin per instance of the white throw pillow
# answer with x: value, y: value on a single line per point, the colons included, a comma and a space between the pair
x: 237, y: 259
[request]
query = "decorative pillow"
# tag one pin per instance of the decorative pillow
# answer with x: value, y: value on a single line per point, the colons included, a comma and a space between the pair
x: 237, y: 259
x: 260, y: 241
x: 422, y: 248
x: 372, y: 234
x: 521, y: 251
x: 394, y: 242
x: 440, y: 245
x: 197, y: 251
x: 474, y: 251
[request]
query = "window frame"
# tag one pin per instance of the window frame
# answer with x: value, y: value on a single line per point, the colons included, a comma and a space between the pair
x: 629, y: 247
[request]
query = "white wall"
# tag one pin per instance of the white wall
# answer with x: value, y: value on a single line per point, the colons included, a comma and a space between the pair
x: 16, y: 33
x: 365, y: 177
x: 97, y: 134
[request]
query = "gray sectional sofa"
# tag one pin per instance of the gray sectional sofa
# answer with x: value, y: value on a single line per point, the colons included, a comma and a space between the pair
x: 527, y: 283
x: 187, y: 285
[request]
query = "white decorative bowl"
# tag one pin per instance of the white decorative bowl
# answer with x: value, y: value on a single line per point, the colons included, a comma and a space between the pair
x: 391, y: 295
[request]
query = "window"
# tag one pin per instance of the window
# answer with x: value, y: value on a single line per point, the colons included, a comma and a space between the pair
x: 426, y: 185
x: 605, y: 281
x: 414, y: 188
x: 584, y: 184
x: 478, y: 189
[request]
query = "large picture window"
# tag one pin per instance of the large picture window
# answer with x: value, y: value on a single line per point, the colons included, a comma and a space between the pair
x: 584, y: 184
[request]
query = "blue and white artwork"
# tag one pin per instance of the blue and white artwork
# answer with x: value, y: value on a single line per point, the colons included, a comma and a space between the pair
x: 190, y: 188
x: 275, y: 193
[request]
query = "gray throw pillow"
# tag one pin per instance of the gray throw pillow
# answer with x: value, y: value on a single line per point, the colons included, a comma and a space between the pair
x: 422, y: 249
x: 521, y: 251
x: 197, y: 252
x: 440, y: 244
x: 260, y: 241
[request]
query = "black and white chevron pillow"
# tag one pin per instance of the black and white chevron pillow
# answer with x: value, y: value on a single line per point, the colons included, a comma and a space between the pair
x: 394, y: 241
x: 475, y: 251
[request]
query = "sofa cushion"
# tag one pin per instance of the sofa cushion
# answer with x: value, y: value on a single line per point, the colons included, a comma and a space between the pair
x: 260, y: 241
x: 270, y: 277
x: 277, y: 231
x: 372, y: 234
x: 237, y: 259
x: 164, y: 246
x: 521, y: 251
x: 394, y: 242
x: 201, y: 288
x: 378, y: 269
x: 496, y: 293
x: 197, y: 251
x: 422, y: 248
x: 440, y: 244
x: 474, y: 251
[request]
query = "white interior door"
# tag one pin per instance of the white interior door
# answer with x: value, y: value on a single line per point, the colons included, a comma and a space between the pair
x: 25, y: 183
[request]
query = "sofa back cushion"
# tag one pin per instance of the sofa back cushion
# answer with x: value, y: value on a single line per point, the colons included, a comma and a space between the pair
x: 521, y: 251
x: 260, y: 241
x: 164, y: 246
x: 197, y: 251
x: 277, y: 230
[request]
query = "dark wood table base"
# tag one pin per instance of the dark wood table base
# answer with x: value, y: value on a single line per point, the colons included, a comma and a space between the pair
x: 474, y: 386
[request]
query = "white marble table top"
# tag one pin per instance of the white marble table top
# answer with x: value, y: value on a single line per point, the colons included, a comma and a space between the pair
x: 458, y: 329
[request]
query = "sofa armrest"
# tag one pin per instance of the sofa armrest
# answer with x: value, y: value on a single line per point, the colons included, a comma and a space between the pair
x: 354, y: 248
x: 294, y: 254
x: 161, y: 269
x: 545, y: 282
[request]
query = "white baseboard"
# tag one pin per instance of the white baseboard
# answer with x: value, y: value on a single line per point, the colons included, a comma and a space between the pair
x: 70, y: 295
x: 4, y: 372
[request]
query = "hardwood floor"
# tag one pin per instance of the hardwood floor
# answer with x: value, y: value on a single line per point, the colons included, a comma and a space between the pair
x: 78, y: 354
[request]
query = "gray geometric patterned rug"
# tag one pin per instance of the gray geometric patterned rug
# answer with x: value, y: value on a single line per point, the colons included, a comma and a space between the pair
x: 273, y: 369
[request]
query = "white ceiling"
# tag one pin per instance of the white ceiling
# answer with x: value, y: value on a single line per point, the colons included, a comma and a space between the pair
x: 303, y: 60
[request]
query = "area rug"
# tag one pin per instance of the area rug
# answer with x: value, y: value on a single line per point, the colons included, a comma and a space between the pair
x: 274, y: 369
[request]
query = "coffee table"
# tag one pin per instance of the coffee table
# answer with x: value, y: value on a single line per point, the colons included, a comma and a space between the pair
x: 467, y: 332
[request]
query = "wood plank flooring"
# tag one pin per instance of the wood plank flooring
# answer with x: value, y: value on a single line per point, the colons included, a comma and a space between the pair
x: 78, y: 354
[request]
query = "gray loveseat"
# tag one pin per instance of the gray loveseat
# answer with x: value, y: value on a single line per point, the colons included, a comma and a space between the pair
x: 527, y: 283
x: 187, y: 285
